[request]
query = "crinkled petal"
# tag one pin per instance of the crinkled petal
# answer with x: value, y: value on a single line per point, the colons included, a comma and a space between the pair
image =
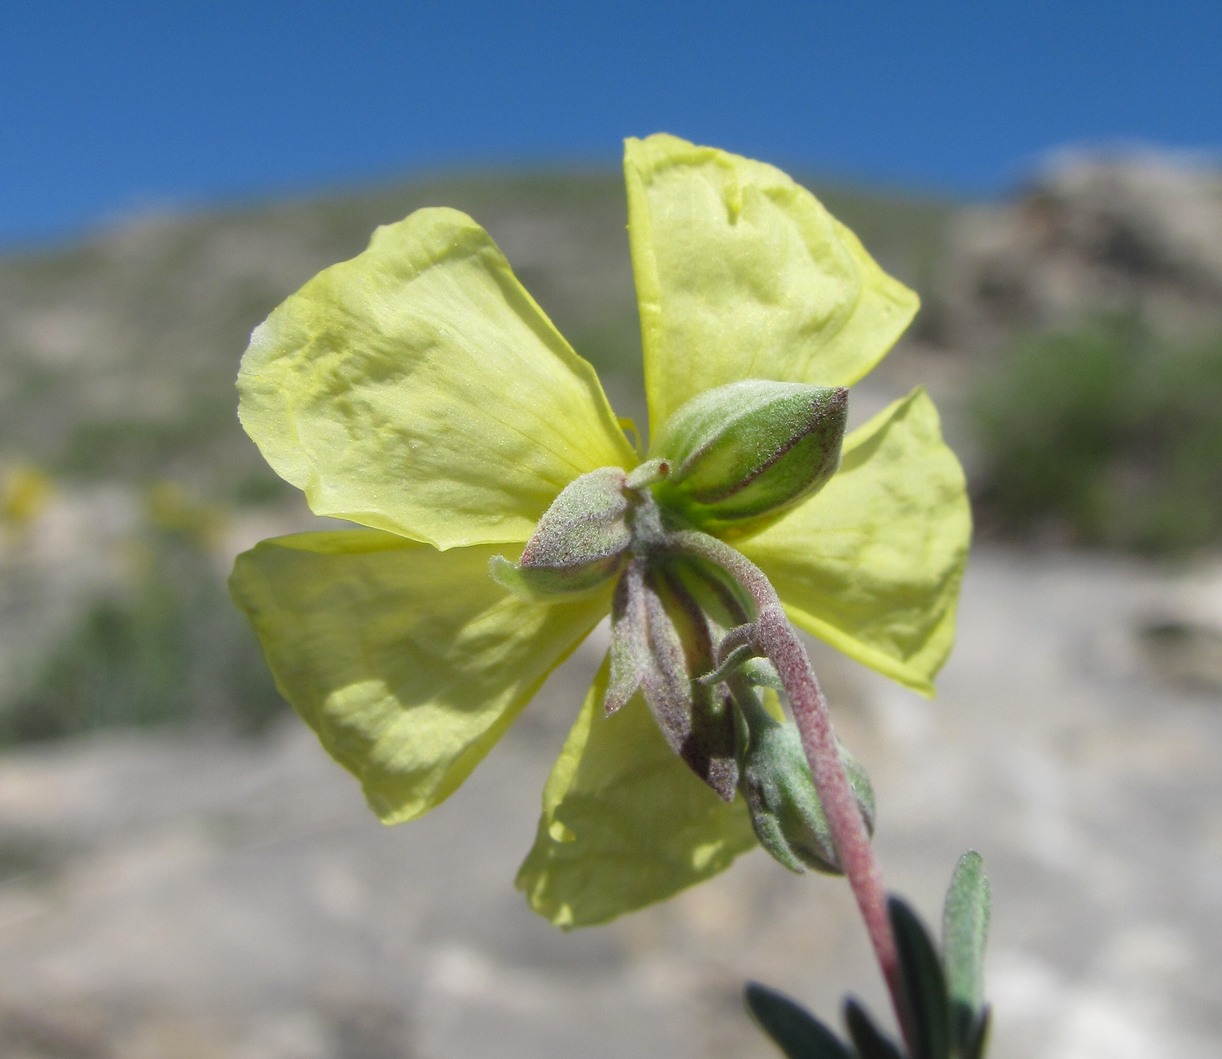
x: 742, y: 274
x: 872, y: 563
x: 625, y: 823
x: 407, y: 662
x: 419, y: 389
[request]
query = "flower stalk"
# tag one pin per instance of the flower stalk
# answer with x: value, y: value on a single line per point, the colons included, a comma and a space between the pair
x: 771, y: 636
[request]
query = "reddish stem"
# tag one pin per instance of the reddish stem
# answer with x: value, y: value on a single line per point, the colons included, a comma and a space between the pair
x: 775, y: 638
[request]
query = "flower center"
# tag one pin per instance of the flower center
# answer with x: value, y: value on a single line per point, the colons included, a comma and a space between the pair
x: 731, y: 461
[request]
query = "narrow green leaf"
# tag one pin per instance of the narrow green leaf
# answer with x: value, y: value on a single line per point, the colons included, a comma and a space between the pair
x: 794, y: 1030
x: 924, y: 984
x: 867, y: 1038
x: 965, y: 927
x: 972, y: 1044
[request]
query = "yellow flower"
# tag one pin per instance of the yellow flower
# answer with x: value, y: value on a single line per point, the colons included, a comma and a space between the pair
x: 419, y: 390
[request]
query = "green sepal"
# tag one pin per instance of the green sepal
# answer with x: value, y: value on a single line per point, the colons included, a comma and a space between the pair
x: 761, y: 673
x: 873, y: 564
x: 743, y: 454
x: 580, y: 544
x: 737, y: 662
x: 776, y: 783
x: 696, y: 719
x: 629, y: 658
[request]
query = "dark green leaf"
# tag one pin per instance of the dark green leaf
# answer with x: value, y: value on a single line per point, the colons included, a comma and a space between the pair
x: 796, y: 1032
x: 868, y: 1039
x: 923, y: 984
x: 973, y: 1043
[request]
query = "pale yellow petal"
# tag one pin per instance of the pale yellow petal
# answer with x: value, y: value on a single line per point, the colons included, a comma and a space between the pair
x: 407, y: 662
x: 742, y: 274
x: 625, y: 822
x: 419, y: 389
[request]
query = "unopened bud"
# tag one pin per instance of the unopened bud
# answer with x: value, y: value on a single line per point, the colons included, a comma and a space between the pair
x: 580, y: 543
x: 785, y: 810
x: 742, y: 454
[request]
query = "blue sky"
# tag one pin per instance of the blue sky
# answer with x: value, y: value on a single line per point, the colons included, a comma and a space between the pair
x: 114, y: 108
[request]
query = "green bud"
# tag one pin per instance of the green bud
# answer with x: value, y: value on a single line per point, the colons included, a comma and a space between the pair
x: 785, y: 810
x: 742, y: 454
x: 580, y: 543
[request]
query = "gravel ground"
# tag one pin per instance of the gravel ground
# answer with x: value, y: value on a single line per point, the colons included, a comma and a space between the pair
x: 175, y: 898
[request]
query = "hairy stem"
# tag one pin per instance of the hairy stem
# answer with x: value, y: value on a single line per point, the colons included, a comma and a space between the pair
x: 775, y: 638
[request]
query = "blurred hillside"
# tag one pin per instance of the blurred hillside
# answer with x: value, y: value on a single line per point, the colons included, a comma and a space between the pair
x: 127, y: 482
x: 1069, y: 334
x: 226, y: 899
x: 117, y: 355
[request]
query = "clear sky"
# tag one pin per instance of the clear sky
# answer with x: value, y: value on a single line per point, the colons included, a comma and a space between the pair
x: 113, y: 107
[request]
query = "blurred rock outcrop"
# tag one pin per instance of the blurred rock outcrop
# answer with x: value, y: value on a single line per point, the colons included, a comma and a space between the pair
x: 1092, y: 234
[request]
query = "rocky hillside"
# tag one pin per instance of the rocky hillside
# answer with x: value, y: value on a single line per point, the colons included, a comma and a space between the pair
x: 125, y: 481
x: 126, y: 484
x: 182, y: 893
x: 117, y: 355
x: 1091, y: 234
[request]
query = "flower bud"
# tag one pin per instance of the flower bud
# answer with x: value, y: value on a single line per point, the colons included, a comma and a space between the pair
x: 742, y: 454
x: 785, y: 810
x: 580, y: 543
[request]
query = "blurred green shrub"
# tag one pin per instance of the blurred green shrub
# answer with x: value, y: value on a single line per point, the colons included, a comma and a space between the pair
x: 1103, y: 436
x: 171, y: 651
